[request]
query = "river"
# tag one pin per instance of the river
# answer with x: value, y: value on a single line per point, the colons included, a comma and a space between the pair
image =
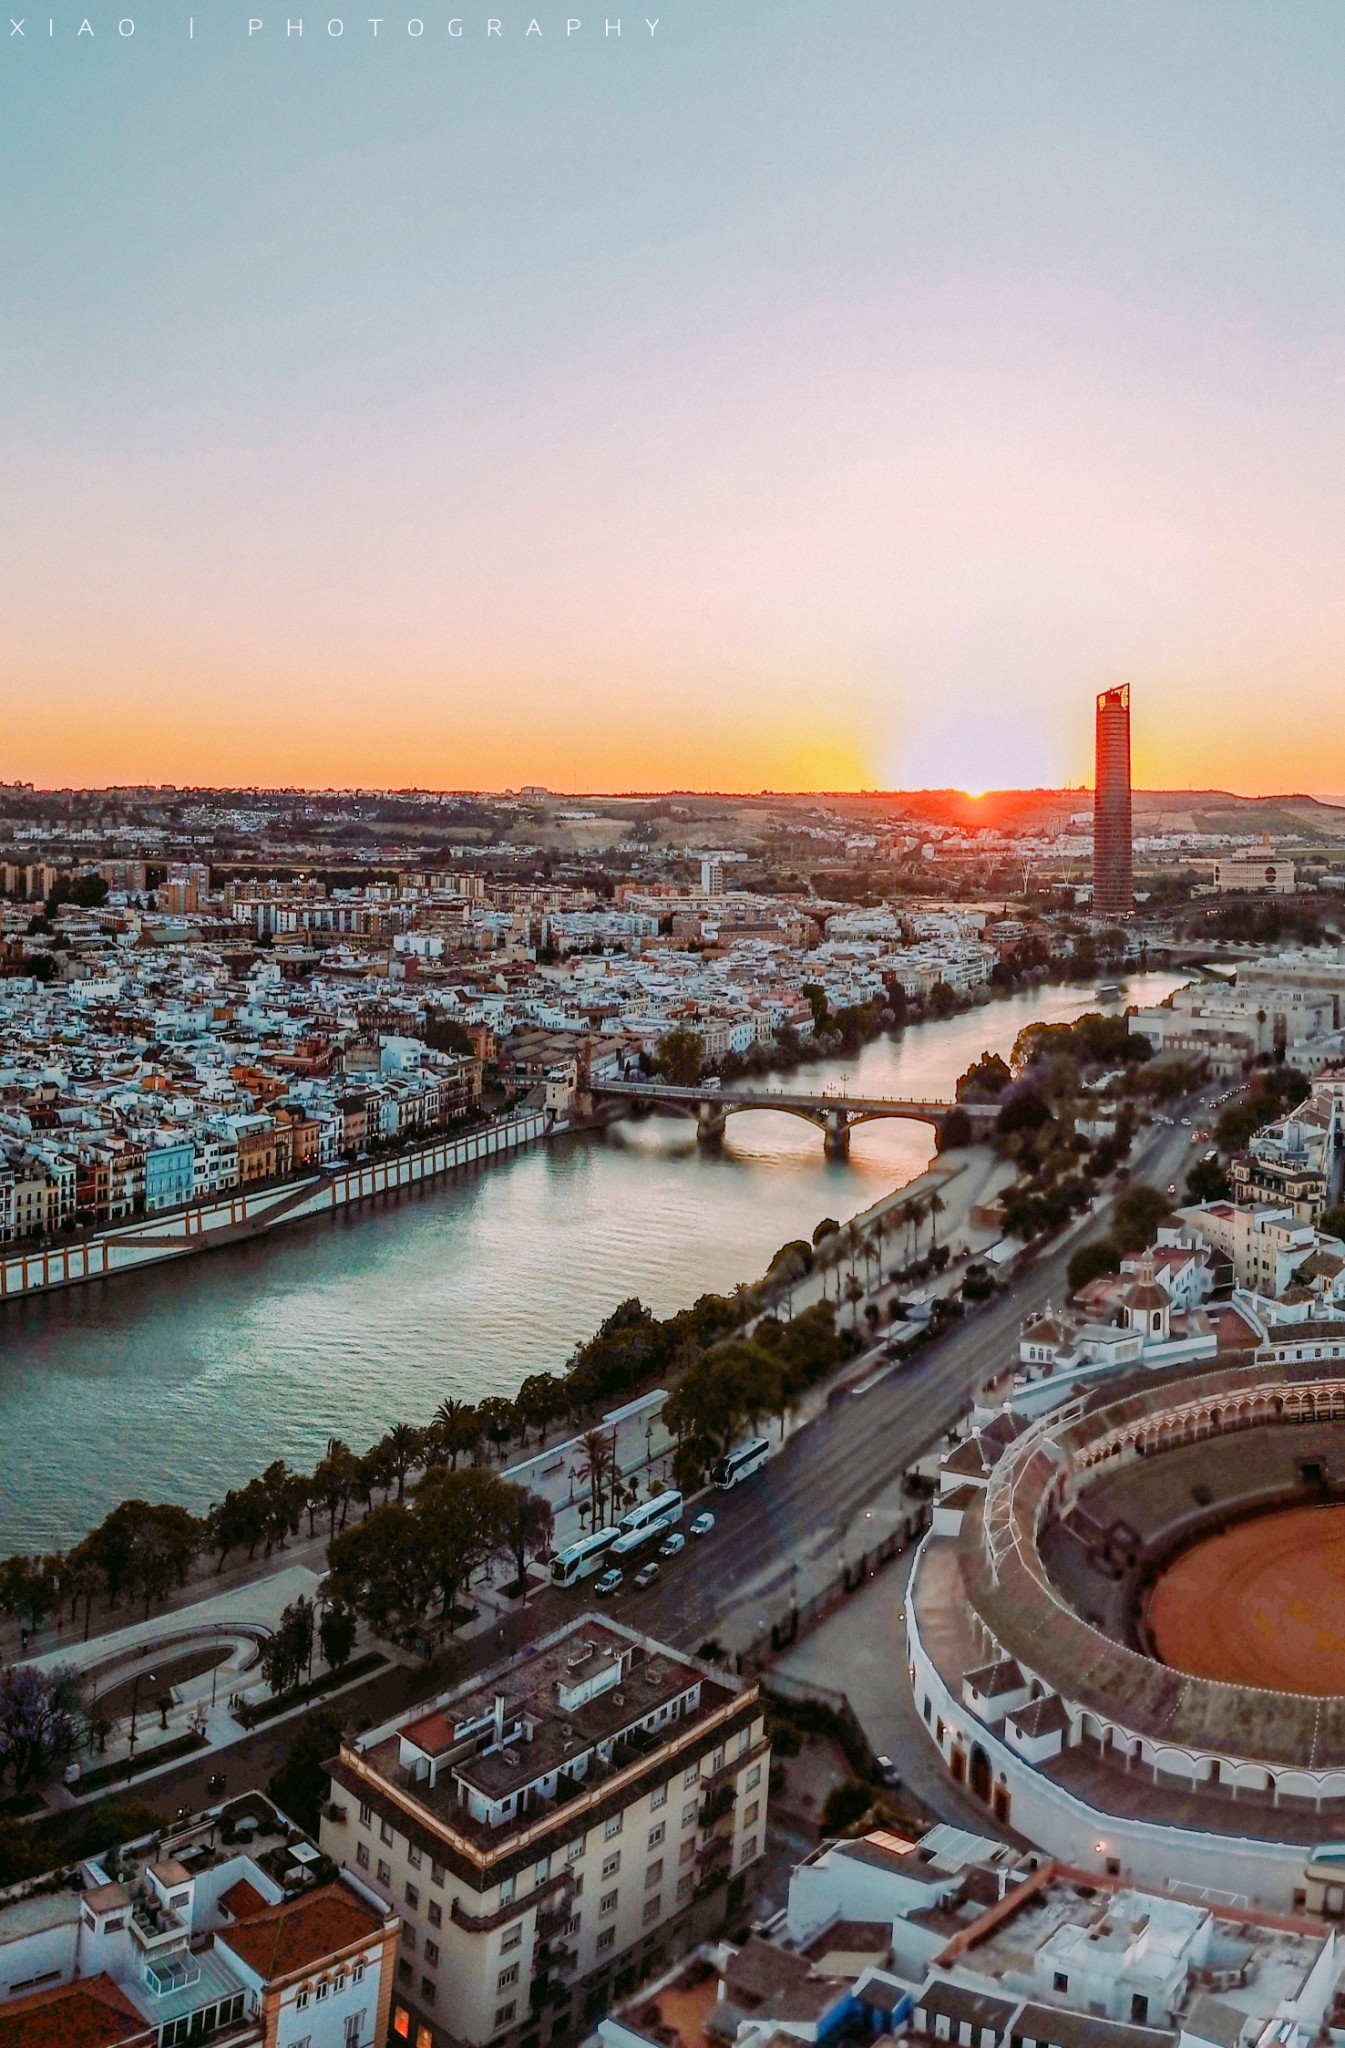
x: 179, y: 1383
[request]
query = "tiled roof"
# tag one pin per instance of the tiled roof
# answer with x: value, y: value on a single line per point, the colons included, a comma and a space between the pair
x: 91, y: 2013
x: 242, y: 1900
x: 301, y: 1934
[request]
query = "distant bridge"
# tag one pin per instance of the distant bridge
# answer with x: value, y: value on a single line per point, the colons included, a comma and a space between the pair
x: 834, y: 1115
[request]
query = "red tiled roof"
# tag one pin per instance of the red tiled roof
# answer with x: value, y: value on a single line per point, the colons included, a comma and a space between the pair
x: 242, y: 1900
x: 434, y: 1733
x: 301, y: 1934
x: 91, y: 2013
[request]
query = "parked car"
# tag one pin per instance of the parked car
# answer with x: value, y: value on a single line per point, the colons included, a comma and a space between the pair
x: 672, y: 1544
x: 703, y: 1523
x: 888, y: 1771
x: 610, y: 1582
x: 646, y: 1576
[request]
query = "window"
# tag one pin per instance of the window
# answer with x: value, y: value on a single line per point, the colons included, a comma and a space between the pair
x: 340, y: 1983
x: 436, y: 1873
x: 749, y: 1848
x: 654, y: 1874
x: 607, y: 1903
x: 413, y: 1856
x: 543, y: 1871
x: 432, y: 1953
x: 507, y: 1977
x: 434, y: 1913
x: 652, y: 1909
x: 323, y: 1988
x: 511, y: 1938
x: 354, y: 2028
x: 611, y: 1864
x: 576, y: 1850
x: 362, y: 1855
x: 578, y: 1888
x: 424, y: 2038
x: 304, y: 2040
x: 687, y: 1850
x: 366, y: 1814
x: 1060, y: 1981
x: 572, y: 1925
x: 301, y: 2002
x: 691, y: 1775
x: 408, y: 1936
x: 413, y: 1895
x: 754, y: 1777
x: 357, y: 1974
x: 689, y: 1812
x: 401, y: 2022
x: 504, y: 2013
x: 606, y: 1940
x: 613, y: 1826
x: 384, y: 1831
x: 404, y: 1971
x: 427, y: 1990
x: 384, y: 1872
x: 751, y: 1814
x: 656, y: 1836
x: 659, y: 1797
x: 684, y: 1885
x: 507, y: 1892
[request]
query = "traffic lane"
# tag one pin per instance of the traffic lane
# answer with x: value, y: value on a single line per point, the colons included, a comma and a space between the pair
x: 812, y: 1489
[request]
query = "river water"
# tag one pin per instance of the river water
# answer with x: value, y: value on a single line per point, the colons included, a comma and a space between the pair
x: 187, y: 1380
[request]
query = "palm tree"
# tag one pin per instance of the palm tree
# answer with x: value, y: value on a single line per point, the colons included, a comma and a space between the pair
x: 915, y: 1216
x: 405, y: 1446
x: 934, y: 1208
x: 595, y: 1467
x: 880, y: 1228
x: 854, y: 1294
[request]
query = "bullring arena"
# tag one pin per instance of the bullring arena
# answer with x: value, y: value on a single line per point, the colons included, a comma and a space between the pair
x: 1127, y: 1632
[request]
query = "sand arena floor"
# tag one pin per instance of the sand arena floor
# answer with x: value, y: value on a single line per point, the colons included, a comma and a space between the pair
x: 1263, y: 1604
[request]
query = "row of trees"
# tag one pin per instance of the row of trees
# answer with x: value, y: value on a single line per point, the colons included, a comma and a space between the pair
x: 405, y: 1566
x: 739, y: 1383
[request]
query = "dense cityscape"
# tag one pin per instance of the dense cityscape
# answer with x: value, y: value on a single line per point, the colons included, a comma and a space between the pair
x: 353, y: 1754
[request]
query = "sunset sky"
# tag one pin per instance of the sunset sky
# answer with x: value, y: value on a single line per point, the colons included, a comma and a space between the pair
x: 815, y: 393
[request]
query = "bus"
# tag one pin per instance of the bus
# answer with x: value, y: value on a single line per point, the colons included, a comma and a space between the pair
x: 579, y: 1560
x: 741, y: 1462
x: 646, y: 1524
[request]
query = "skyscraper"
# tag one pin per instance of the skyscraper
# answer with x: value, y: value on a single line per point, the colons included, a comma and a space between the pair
x: 1113, y: 883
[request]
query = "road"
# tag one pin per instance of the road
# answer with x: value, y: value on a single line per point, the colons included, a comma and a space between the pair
x: 797, y: 1509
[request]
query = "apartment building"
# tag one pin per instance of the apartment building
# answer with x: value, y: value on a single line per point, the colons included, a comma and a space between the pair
x: 168, y: 1941
x: 552, y: 1830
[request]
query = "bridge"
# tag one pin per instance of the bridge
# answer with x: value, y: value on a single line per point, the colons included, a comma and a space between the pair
x: 835, y: 1115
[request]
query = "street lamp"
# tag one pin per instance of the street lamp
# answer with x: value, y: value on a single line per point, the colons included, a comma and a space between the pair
x: 140, y: 1676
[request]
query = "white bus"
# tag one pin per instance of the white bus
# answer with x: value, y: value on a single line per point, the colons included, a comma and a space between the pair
x: 741, y: 1462
x: 645, y: 1524
x: 579, y: 1560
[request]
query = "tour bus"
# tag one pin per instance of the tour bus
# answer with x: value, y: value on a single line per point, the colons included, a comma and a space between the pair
x: 581, y: 1559
x: 741, y: 1462
x: 645, y: 1524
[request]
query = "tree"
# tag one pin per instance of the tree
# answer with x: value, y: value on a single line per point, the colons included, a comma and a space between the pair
x: 28, y: 1589
x: 498, y: 1420
x: 337, y: 1630
x: 382, y: 1569
x: 955, y: 1130
x: 1238, y: 1122
x: 1137, y: 1215
x: 303, y: 1781
x: 1333, y: 1221
x: 846, y: 1804
x: 595, y: 1467
x: 1025, y: 1110
x: 405, y: 1447
x: 1090, y: 1261
x: 539, y: 1402
x: 826, y: 1228
x: 1207, y: 1182
x: 335, y: 1480
x: 289, y: 1648
x: 529, y: 1526
x: 985, y: 1080
x: 934, y: 1208
x: 455, y: 1431
x: 41, y: 1722
x: 681, y: 1057
x: 854, y: 1294
x: 463, y: 1518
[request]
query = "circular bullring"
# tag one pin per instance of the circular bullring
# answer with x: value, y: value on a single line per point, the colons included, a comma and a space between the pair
x: 1169, y: 1560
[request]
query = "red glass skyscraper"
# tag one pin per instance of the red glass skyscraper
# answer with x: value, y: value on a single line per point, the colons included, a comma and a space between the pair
x: 1113, y: 882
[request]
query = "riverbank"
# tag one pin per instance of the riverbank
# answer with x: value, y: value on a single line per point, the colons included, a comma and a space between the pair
x: 253, y: 1212
x: 187, y: 1379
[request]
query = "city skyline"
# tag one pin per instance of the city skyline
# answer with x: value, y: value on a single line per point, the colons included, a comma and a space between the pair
x: 539, y: 416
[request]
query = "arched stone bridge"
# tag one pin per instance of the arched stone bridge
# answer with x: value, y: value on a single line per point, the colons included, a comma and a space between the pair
x: 834, y: 1115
